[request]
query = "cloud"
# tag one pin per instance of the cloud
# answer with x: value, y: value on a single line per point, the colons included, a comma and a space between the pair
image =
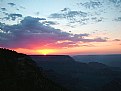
x: 3, y: 9
x: 11, y: 4
x: 96, y: 40
x: 117, y: 3
x: 50, y: 23
x: 78, y: 16
x: 31, y: 33
x: 71, y: 16
x: 65, y: 9
x: 88, y: 45
x: 76, y: 13
x: 67, y: 13
x: 57, y: 15
x: 97, y: 19
x: 12, y: 16
x: 116, y: 40
x: 91, y: 4
x: 118, y: 19
x: 37, y: 13
x: 96, y: 4
x: 31, y: 22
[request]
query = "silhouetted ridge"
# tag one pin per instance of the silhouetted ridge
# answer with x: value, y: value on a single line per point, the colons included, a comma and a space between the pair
x: 18, y: 72
x: 113, y: 60
x: 52, y: 58
x: 97, y: 65
x: 10, y: 54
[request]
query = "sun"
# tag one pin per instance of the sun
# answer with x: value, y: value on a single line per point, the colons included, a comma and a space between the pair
x: 45, y: 51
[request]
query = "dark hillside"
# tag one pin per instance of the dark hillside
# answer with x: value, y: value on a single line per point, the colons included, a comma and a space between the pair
x: 18, y: 72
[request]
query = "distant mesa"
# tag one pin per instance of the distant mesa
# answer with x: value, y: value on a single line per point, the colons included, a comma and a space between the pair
x: 52, y: 58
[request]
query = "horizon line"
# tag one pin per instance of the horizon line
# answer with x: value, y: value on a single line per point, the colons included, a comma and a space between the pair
x: 69, y: 55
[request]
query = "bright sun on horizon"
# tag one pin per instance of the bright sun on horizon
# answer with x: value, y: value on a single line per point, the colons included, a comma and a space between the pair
x: 45, y: 51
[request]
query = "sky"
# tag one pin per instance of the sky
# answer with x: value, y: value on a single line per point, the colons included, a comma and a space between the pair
x: 71, y: 27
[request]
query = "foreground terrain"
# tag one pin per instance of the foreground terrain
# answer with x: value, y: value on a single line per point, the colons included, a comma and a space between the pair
x: 18, y: 72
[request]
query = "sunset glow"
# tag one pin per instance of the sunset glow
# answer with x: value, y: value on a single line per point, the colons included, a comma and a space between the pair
x: 45, y: 51
x: 73, y: 27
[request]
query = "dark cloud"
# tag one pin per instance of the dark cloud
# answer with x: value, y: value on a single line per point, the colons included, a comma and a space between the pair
x: 65, y: 9
x: 11, y: 4
x: 97, y: 19
x: 116, y: 40
x: 57, y: 15
x: 31, y: 33
x: 91, y: 4
x: 80, y: 17
x: 31, y: 22
x: 96, y: 40
x: 118, y: 19
x: 17, y: 9
x: 5, y: 13
x: 68, y: 14
x: 3, y: 9
x: 76, y: 13
x: 88, y: 45
x: 117, y: 3
x: 37, y: 13
x: 12, y: 16
x: 50, y: 23
x: 71, y: 15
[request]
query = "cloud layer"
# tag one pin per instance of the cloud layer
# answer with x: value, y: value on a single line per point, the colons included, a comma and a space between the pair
x: 80, y: 17
x: 90, y: 12
x: 31, y: 33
